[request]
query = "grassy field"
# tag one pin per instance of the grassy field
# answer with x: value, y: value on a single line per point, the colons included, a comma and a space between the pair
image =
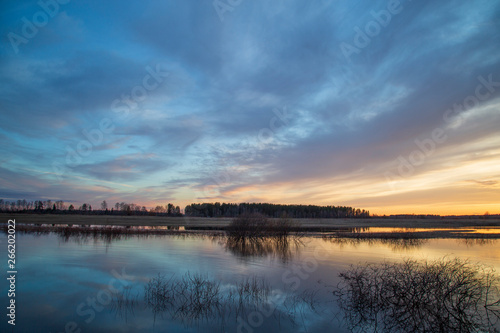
x: 201, y: 223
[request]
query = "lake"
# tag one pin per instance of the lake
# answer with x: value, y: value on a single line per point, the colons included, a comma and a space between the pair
x: 94, y: 284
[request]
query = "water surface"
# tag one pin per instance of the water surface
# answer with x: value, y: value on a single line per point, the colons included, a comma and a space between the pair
x: 72, y: 283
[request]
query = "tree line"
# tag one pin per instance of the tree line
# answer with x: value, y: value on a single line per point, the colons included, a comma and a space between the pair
x: 60, y: 207
x: 272, y: 210
x: 195, y: 209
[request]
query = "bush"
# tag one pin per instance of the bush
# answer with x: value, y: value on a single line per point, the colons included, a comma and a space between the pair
x: 258, y: 226
x: 439, y: 296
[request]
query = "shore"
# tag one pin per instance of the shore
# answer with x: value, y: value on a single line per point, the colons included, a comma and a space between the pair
x: 206, y: 223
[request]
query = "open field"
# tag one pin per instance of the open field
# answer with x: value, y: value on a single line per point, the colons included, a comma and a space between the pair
x: 204, y: 223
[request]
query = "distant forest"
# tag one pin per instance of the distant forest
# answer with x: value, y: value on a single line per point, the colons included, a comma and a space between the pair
x: 196, y: 209
x: 60, y: 207
x: 273, y: 210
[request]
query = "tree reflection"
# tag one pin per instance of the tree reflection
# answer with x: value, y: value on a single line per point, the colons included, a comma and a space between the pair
x: 283, y: 248
x: 82, y: 234
x: 255, y: 235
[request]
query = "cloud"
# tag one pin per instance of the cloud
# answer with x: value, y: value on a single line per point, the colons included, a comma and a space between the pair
x: 212, y: 121
x: 484, y: 182
x: 126, y: 167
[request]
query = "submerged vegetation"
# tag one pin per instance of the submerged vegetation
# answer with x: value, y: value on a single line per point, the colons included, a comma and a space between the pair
x: 196, y: 298
x: 447, y: 295
x: 192, y: 297
x: 439, y: 296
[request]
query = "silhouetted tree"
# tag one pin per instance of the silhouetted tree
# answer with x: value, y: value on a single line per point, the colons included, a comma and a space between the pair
x: 272, y: 210
x: 38, y: 205
x: 60, y: 205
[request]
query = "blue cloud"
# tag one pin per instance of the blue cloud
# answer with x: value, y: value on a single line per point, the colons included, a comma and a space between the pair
x: 224, y: 80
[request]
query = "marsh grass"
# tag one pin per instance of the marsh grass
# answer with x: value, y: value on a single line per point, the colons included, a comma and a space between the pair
x: 439, y: 296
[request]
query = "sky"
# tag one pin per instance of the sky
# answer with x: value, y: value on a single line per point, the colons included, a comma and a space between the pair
x: 390, y: 106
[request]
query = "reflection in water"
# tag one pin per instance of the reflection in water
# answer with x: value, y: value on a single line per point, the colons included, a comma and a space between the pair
x: 190, y: 299
x: 470, y: 242
x: 281, y: 247
x: 61, y: 275
x: 439, y: 296
x: 84, y: 233
x: 195, y: 299
x: 423, y: 233
x: 396, y: 244
x: 124, y: 303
